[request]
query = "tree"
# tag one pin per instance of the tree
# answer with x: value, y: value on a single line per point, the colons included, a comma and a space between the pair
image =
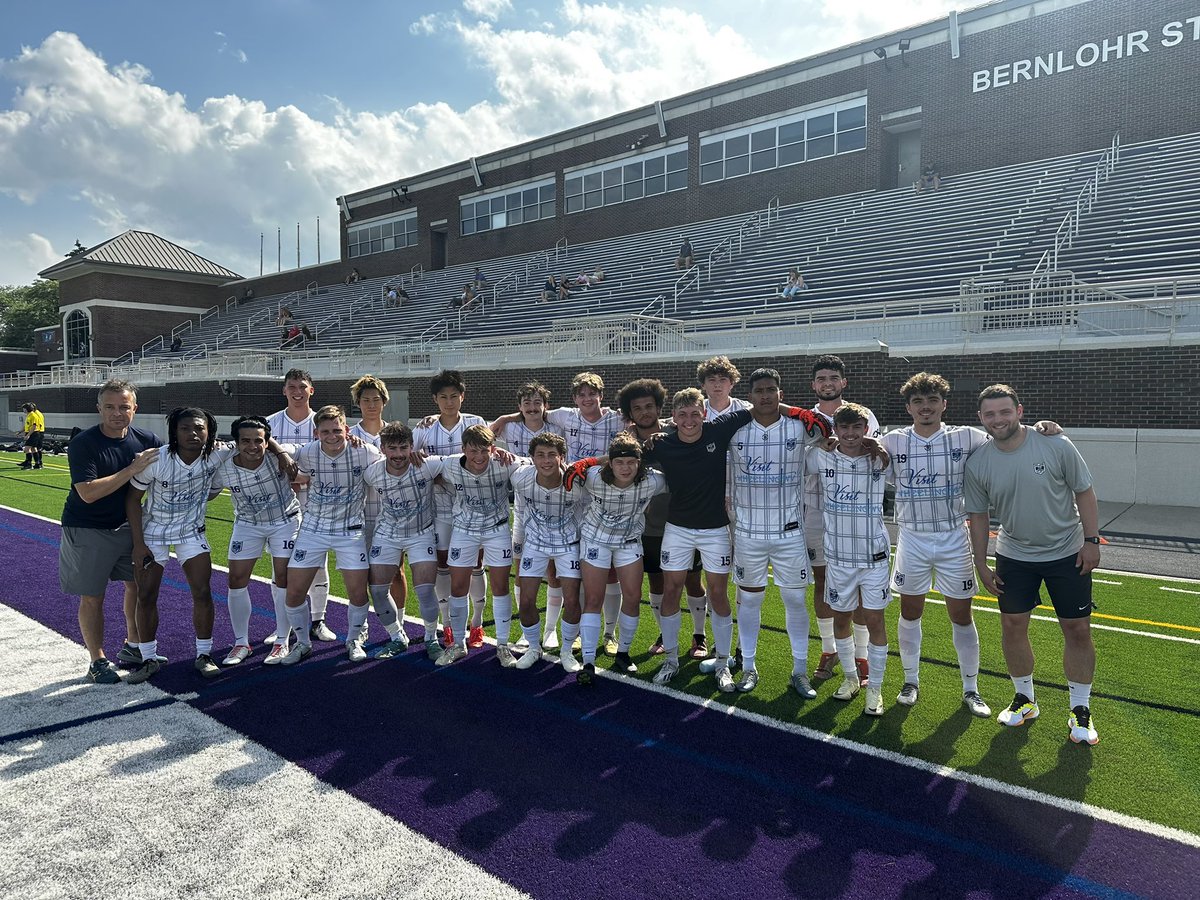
x: 24, y: 308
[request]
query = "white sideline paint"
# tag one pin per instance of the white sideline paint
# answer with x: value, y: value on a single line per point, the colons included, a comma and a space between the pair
x: 227, y: 817
x: 940, y: 771
x: 1179, y: 591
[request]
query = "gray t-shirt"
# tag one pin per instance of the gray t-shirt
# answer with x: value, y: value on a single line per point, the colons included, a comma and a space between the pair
x: 1033, y: 491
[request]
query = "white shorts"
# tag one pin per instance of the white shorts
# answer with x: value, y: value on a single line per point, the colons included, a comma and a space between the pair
x: 495, y: 543
x: 248, y: 541
x: 420, y: 547
x: 787, y: 557
x: 184, y: 550
x: 844, y: 583
x: 535, y: 563
x: 920, y: 554
x: 311, y: 549
x: 442, y: 529
x: 603, y: 556
x: 680, y: 544
x: 814, y: 539
x: 518, y: 537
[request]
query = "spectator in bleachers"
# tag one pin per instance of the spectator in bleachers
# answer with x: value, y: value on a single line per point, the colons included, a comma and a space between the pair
x: 283, y: 321
x: 564, y: 289
x: 930, y: 180
x: 177, y: 344
x: 549, y: 290
x: 795, y: 284
x: 247, y: 294
x: 687, y: 258
x: 464, y: 300
x: 353, y: 277
x: 478, y: 281
x: 598, y: 275
x: 291, y: 337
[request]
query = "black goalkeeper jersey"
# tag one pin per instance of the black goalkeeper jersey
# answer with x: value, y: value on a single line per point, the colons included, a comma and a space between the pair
x: 696, y: 472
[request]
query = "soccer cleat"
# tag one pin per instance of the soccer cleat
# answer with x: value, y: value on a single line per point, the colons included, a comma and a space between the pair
x: 447, y: 637
x: 748, y: 681
x: 848, y: 689
x: 668, y: 670
x: 1020, y: 711
x: 433, y: 649
x: 577, y: 644
x: 622, y: 663
x: 874, y: 705
x: 699, y: 648
x: 520, y: 646
x: 528, y: 658
x: 25, y: 465
x: 657, y: 649
x: 712, y: 664
x: 505, y: 656
x: 319, y: 631
x: 103, y: 672
x: 1083, y: 729
x: 725, y: 680
x: 861, y: 664
x: 973, y: 702
x: 37, y: 465
x: 272, y: 638
x: 824, y: 669
x: 451, y: 654
x: 237, y: 655
x: 803, y: 686
x: 586, y: 675
x: 297, y: 653
x: 275, y: 657
x: 206, y: 666
x: 355, y: 651
x: 908, y: 695
x: 129, y: 654
x: 610, y: 645
x: 475, y: 637
x: 393, y: 648
x: 569, y: 663
x: 550, y: 640
x: 144, y: 671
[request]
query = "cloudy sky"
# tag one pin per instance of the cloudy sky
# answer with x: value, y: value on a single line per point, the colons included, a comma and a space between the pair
x: 209, y: 123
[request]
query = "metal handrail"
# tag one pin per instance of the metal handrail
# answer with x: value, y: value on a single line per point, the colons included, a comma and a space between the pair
x: 562, y: 241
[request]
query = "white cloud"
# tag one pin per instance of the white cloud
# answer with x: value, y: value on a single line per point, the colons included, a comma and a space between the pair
x: 487, y: 9
x: 25, y: 254
x: 225, y: 49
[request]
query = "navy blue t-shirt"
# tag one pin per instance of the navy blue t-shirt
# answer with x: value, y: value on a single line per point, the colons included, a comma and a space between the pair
x: 93, y: 455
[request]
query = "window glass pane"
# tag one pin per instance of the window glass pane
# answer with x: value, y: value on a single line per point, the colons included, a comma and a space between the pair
x: 762, y: 160
x: 791, y: 153
x: 548, y: 210
x: 497, y: 207
x: 376, y: 232
x: 712, y: 152
x: 353, y: 250
x: 573, y: 187
x: 852, y: 118
x: 574, y: 204
x: 855, y: 139
x: 612, y: 177
x: 377, y: 246
x: 633, y: 190
x: 592, y: 182
x: 655, y: 166
x: 820, y: 126
x: 633, y: 172
x: 514, y: 217
x: 591, y: 199
x: 482, y: 223
x: 736, y: 146
x: 676, y: 181
x: 498, y: 220
x: 712, y: 172
x: 739, y: 165
x: 512, y: 201
x: 612, y: 194
x: 820, y: 147
x: 547, y: 192
x: 655, y: 184
x: 761, y: 140
x: 792, y: 132
x: 677, y: 161
x: 389, y: 243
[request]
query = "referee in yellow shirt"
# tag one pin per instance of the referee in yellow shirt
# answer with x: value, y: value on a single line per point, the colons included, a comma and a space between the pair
x: 35, y: 431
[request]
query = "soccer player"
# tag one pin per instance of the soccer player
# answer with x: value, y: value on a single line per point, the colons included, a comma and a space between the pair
x: 768, y: 461
x: 293, y: 428
x: 829, y: 382
x: 551, y: 536
x: 641, y: 403
x: 96, y: 545
x: 266, y: 514
x: 333, y: 520
x: 404, y: 495
x: 442, y: 436
x: 857, y: 548
x: 611, y: 534
x: 1042, y: 492
x: 177, y: 486
x: 479, y: 480
x: 34, y: 433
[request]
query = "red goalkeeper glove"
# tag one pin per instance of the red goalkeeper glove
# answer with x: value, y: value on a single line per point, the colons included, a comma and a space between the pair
x: 578, y: 470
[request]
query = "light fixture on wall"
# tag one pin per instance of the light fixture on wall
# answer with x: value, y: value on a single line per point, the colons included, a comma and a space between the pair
x: 905, y: 43
x: 881, y: 52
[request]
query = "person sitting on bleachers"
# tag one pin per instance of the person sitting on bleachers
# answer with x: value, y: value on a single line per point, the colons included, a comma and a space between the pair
x: 549, y: 290
x: 686, y: 258
x: 598, y: 275
x: 930, y: 180
x: 291, y: 337
x: 794, y: 284
x: 177, y: 344
x: 564, y: 289
x: 282, y: 322
x: 465, y: 300
x: 353, y: 277
x: 478, y: 281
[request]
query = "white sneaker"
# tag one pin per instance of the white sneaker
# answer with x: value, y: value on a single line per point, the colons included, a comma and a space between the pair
x: 550, y: 640
x: 710, y: 665
x: 272, y: 638
x: 874, y: 705
x: 528, y: 658
x: 909, y: 693
x: 355, y: 651
x: 237, y: 655
x: 319, y: 631
x: 725, y: 680
x: 451, y: 654
x: 297, y: 653
x: 275, y: 657
x: 668, y: 670
x: 520, y: 646
x: 848, y: 689
x: 504, y: 655
x: 569, y: 663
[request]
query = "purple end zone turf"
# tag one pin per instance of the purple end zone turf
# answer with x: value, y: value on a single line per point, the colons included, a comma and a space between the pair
x: 617, y: 791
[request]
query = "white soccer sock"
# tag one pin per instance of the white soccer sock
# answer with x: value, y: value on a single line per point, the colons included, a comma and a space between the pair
x: 862, y: 637
x: 554, y: 595
x: 825, y: 630
x: 722, y: 633
x: 908, y: 636
x: 356, y: 627
x: 149, y: 649
x: 570, y: 631
x: 749, y: 606
x: 966, y: 645
x: 502, y: 608
x: 318, y: 593
x: 478, y: 589
x: 795, y: 618
x: 298, y: 621
x: 516, y: 589
x: 238, y: 601
x: 589, y: 634
x: 627, y: 629
x: 458, y: 619
x: 385, y: 609
x: 1023, y: 685
x: 876, y: 663
x: 477, y: 608
x: 698, y: 607
x: 1080, y: 694
x: 279, y: 598
x: 612, y: 607
x: 441, y: 585
x: 203, y: 646
x: 670, y: 632
x: 533, y: 635
x: 656, y: 608
x: 428, y: 605
x: 845, y: 652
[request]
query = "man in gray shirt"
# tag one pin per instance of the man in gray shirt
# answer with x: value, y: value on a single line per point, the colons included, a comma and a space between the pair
x: 1041, y: 490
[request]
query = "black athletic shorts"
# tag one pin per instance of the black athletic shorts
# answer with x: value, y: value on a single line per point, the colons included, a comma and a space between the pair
x: 34, y: 440
x: 652, y: 555
x: 1070, y: 592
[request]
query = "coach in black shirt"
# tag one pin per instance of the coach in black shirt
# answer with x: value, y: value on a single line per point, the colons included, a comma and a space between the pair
x: 96, y: 544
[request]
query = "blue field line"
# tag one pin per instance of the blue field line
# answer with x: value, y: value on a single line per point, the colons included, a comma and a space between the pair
x: 86, y: 720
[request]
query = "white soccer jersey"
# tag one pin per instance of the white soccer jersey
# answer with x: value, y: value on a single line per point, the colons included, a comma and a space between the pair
x: 768, y: 477
x: 176, y: 495
x: 437, y: 440
x: 853, y: 509
x: 814, y: 496
x: 405, y: 501
x: 336, y: 491
x: 285, y: 430
x: 929, y: 475
x: 480, y: 501
x: 734, y: 405
x: 517, y: 436
x: 550, y: 515
x: 261, y: 496
x: 584, y: 438
x: 617, y: 515
x: 356, y: 430
x: 371, y: 510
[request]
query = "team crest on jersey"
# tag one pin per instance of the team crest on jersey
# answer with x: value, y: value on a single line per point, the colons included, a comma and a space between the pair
x: 711, y: 448
x: 831, y: 595
x: 790, y: 444
x: 593, y: 553
x: 375, y: 551
x: 812, y: 554
x: 740, y: 571
x: 665, y: 556
x: 526, y: 564
x: 454, y: 553
x: 899, y: 578
x: 1040, y: 468
x: 356, y: 471
x: 298, y: 555
x: 235, y: 546
x: 956, y: 454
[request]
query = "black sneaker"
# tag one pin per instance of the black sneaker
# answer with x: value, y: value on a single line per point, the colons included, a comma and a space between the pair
x: 25, y: 466
x: 37, y: 465
x: 129, y: 654
x: 103, y: 672
x: 622, y: 663
x: 143, y: 672
x: 586, y: 675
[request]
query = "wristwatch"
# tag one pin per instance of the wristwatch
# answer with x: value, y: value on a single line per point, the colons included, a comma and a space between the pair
x: 1091, y: 540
